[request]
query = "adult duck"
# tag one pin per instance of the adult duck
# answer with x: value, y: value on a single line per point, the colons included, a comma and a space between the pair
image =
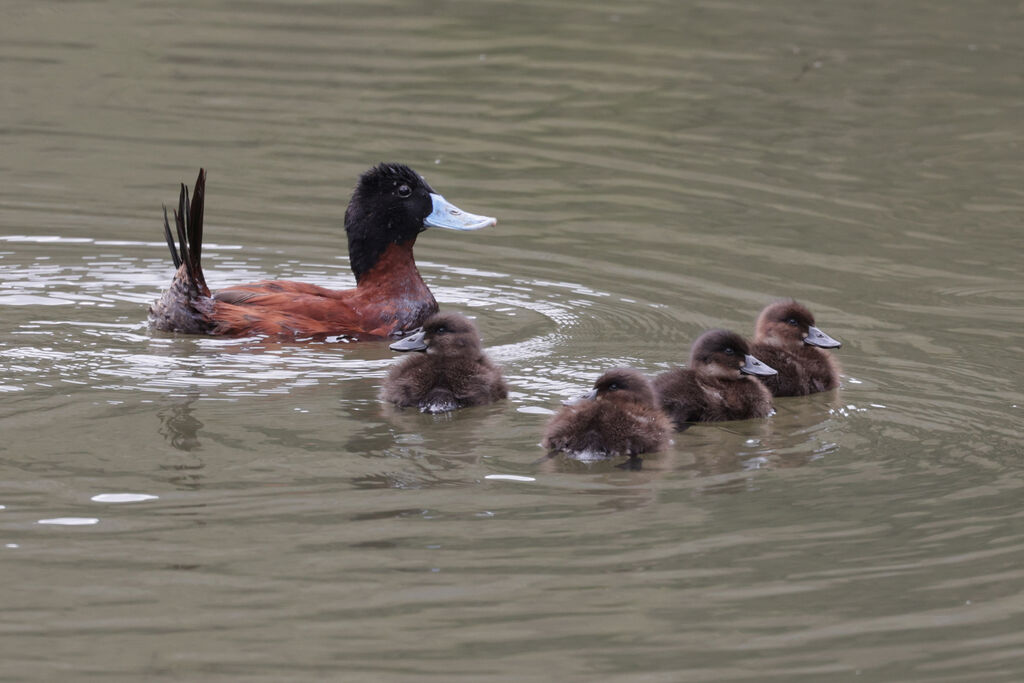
x: 785, y: 337
x: 717, y: 385
x: 390, y: 206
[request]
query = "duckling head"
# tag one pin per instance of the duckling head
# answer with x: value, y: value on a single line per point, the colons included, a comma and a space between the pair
x: 443, y: 334
x: 788, y: 324
x: 725, y: 355
x: 620, y: 384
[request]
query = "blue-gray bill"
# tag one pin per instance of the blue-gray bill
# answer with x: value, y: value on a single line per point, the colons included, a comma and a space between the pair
x: 447, y: 215
x: 589, y: 396
x: 414, y: 342
x: 753, y: 366
x: 816, y: 337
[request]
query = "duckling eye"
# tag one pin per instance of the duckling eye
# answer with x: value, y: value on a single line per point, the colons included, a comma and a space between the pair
x: 729, y: 351
x: 404, y: 191
x: 613, y: 386
x: 793, y: 322
x: 441, y: 330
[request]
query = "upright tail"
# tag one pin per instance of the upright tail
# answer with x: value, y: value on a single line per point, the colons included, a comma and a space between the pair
x: 188, y: 220
x: 186, y: 304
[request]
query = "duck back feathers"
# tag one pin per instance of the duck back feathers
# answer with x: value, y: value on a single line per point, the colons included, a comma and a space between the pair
x: 715, y: 386
x: 619, y: 417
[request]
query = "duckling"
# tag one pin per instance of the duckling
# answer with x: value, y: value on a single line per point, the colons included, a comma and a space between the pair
x: 717, y: 385
x: 785, y: 337
x: 619, y: 416
x: 453, y: 373
x: 390, y: 206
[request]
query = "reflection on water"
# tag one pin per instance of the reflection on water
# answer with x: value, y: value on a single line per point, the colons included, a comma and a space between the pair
x: 178, y: 425
x: 659, y: 169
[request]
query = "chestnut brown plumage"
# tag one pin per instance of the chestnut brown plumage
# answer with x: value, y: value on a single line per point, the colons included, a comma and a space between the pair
x: 453, y: 373
x: 717, y: 384
x: 785, y: 338
x: 618, y: 417
x: 390, y: 206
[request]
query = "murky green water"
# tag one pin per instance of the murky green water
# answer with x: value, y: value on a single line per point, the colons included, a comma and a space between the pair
x: 657, y: 168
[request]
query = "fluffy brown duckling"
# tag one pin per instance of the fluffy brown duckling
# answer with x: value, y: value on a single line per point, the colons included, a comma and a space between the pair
x: 717, y: 385
x: 453, y: 373
x: 785, y: 338
x: 619, y: 416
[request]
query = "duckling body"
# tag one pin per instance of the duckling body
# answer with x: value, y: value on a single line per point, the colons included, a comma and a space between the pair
x: 618, y: 417
x: 390, y: 206
x: 453, y: 373
x: 718, y: 383
x: 785, y: 338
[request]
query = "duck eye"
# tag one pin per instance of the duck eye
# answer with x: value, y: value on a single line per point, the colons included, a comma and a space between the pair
x: 793, y: 322
x: 441, y: 330
x: 613, y: 387
x: 404, y: 191
x: 729, y: 351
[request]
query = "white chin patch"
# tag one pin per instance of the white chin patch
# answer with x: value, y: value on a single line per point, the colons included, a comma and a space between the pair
x: 589, y: 455
x: 438, y: 407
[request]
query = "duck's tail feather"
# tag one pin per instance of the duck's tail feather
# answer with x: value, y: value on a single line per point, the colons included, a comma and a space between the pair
x: 188, y: 223
x: 175, y: 256
x: 185, y: 305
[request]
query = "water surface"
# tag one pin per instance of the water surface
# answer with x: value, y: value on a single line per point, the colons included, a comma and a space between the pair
x: 178, y: 508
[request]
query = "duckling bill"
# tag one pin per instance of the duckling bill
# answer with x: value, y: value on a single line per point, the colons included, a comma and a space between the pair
x: 718, y: 383
x: 619, y: 416
x: 454, y: 372
x: 785, y: 336
x: 390, y: 206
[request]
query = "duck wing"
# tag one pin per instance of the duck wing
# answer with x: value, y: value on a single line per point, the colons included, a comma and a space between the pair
x: 680, y: 397
x: 292, y: 309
